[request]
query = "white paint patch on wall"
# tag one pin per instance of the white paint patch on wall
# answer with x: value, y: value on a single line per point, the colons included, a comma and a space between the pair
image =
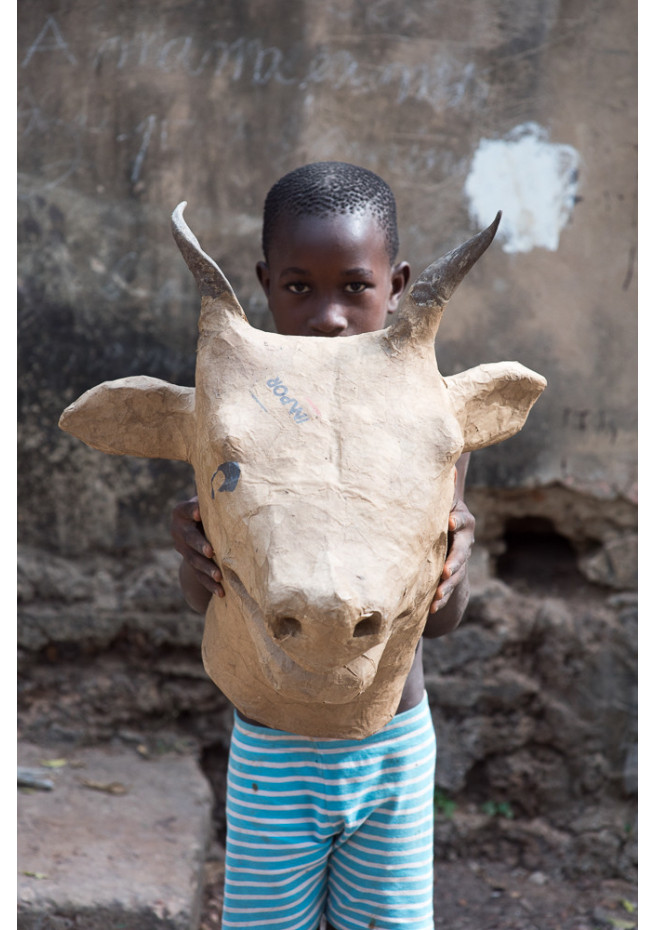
x: 532, y: 180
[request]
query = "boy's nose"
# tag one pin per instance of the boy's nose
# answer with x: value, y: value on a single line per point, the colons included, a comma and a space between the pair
x: 329, y: 319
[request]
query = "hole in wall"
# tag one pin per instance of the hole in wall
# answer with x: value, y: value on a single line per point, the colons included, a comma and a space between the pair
x: 538, y: 558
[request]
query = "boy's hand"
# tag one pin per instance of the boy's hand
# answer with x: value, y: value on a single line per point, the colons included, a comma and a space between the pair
x: 190, y: 541
x: 461, y: 540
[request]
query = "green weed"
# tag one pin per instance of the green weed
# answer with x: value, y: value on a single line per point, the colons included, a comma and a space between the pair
x: 498, y: 809
x: 443, y: 804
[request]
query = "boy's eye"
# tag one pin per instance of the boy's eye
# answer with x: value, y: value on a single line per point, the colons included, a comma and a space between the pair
x: 297, y: 287
x: 355, y: 287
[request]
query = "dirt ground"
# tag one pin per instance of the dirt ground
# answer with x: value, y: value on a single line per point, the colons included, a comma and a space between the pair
x: 493, y: 896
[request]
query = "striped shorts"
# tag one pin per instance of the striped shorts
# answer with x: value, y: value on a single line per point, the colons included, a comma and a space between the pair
x: 336, y: 827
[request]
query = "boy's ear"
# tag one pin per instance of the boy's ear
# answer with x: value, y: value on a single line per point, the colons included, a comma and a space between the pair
x: 400, y: 279
x: 263, y: 276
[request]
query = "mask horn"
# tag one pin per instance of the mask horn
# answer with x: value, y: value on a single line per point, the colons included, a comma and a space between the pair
x: 218, y: 297
x: 418, y: 320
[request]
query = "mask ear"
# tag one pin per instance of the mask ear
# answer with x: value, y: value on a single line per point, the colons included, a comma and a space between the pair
x: 134, y: 416
x: 492, y: 402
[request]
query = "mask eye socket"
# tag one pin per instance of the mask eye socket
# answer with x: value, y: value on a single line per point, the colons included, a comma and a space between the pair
x: 230, y: 472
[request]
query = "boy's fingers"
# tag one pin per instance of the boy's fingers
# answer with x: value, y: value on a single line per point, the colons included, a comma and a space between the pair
x: 456, y: 521
x: 452, y: 575
x: 461, y: 532
x: 460, y: 517
x: 211, y: 586
x: 441, y: 598
x: 187, y: 530
x: 461, y: 539
x: 188, y: 510
x: 206, y: 567
x: 194, y: 547
x: 195, y: 541
x: 456, y: 560
x: 207, y: 572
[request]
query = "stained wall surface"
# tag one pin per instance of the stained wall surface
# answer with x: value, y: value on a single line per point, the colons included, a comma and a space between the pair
x: 466, y: 108
x: 125, y: 109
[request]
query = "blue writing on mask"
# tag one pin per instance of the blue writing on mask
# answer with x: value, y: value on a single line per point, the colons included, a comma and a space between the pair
x: 281, y: 391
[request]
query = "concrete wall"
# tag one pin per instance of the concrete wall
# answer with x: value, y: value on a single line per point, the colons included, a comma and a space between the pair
x: 528, y: 106
x: 127, y: 108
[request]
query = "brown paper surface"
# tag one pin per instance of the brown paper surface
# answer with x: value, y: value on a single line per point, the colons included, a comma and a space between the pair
x: 325, y: 475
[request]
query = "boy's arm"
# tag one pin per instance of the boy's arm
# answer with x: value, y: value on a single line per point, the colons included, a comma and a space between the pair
x: 199, y: 575
x: 452, y: 594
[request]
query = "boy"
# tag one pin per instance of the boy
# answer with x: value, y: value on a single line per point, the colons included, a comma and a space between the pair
x: 345, y: 826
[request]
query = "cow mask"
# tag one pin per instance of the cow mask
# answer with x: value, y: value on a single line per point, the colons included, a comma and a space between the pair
x: 325, y: 476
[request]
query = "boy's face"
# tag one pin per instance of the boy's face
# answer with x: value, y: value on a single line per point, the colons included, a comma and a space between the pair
x: 331, y: 276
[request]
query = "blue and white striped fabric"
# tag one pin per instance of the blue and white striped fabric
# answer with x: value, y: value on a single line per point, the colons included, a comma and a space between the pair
x: 341, y: 827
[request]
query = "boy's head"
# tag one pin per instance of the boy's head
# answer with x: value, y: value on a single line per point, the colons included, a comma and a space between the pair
x: 330, y: 240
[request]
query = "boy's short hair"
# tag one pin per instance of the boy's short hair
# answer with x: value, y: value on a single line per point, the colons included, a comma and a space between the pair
x: 326, y: 188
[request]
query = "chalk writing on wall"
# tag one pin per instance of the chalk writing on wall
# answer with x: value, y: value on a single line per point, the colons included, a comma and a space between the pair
x: 49, y: 39
x: 597, y: 421
x: 441, y: 81
x: 59, y: 140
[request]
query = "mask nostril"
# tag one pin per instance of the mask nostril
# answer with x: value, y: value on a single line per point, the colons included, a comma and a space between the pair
x: 284, y: 627
x: 368, y: 626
